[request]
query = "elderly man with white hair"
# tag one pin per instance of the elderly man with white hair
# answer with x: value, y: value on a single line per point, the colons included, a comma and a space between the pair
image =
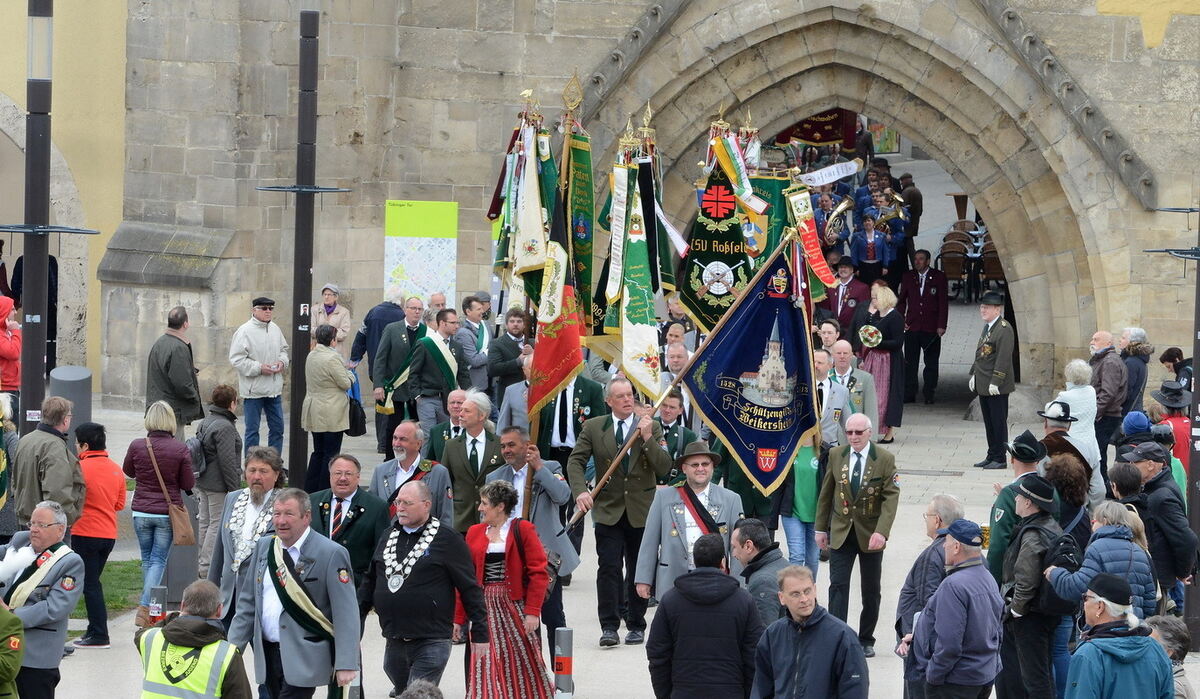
x: 470, y: 457
x: 42, y: 595
x: 1135, y: 352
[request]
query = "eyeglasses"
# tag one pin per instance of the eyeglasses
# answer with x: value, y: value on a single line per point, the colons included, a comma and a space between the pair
x: 40, y: 525
x: 927, y: 515
x: 857, y: 432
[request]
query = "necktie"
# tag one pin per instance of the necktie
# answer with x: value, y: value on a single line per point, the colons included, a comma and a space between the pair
x: 562, y: 417
x: 983, y: 335
x: 621, y: 443
x: 479, y: 338
x: 337, y: 517
x: 820, y: 397
x: 455, y: 431
x: 474, y: 456
x: 856, y: 475
x: 921, y: 277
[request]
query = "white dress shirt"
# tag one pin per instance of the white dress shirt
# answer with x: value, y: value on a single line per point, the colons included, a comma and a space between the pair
x: 518, y: 481
x: 252, y: 514
x: 272, y: 607
x: 567, y: 394
x: 480, y: 444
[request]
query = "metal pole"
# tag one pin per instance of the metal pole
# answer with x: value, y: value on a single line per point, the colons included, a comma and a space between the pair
x: 36, y: 263
x: 564, y: 679
x: 306, y: 175
x: 1191, y: 604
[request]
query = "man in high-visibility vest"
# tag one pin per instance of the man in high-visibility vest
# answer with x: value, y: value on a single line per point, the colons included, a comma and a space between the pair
x: 188, y: 652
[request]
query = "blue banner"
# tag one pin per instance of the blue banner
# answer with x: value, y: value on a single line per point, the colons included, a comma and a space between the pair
x: 752, y: 379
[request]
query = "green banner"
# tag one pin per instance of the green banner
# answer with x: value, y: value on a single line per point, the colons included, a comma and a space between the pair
x: 716, y: 267
x: 583, y: 217
x: 770, y: 189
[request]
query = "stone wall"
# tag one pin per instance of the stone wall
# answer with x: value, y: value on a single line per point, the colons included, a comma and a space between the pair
x: 417, y: 99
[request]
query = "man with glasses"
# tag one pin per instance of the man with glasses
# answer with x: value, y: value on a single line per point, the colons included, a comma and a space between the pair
x: 259, y: 354
x: 43, y: 595
x: 855, y: 511
x: 390, y: 362
x: 438, y: 367
x: 349, y: 515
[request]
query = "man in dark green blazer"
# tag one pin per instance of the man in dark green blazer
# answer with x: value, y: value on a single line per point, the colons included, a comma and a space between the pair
x: 992, y: 376
x: 388, y: 363
x: 470, y: 458
x: 855, y: 512
x: 445, y: 431
x: 438, y: 367
x: 349, y: 515
x: 676, y: 435
x: 505, y: 352
x: 619, y: 510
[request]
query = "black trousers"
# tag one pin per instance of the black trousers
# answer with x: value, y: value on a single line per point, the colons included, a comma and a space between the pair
x: 94, y: 551
x: 869, y: 272
x: 382, y: 438
x: 575, y: 534
x: 995, y: 423
x: 1025, y: 656
x: 914, y: 344
x: 616, y: 546
x: 326, y: 445
x: 37, y: 683
x: 841, y: 565
x: 276, y: 685
x: 958, y: 691
x: 1106, y: 427
x: 553, y: 615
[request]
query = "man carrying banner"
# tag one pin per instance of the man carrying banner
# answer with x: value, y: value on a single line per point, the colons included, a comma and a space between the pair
x: 408, y: 440
x: 681, y: 515
x: 438, y: 367
x: 389, y: 367
x: 855, y: 511
x: 301, y: 612
x: 621, y: 507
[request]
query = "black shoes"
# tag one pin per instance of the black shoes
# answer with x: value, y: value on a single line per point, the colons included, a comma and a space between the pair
x: 993, y: 466
x: 868, y: 651
x: 609, y: 639
x: 566, y: 580
x: 91, y: 642
x: 983, y: 463
x: 635, y: 638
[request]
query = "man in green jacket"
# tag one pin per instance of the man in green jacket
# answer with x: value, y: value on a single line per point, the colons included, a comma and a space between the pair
x: 171, y: 372
x: 49, y: 467
x: 12, y: 651
x: 1024, y: 454
x: 349, y: 515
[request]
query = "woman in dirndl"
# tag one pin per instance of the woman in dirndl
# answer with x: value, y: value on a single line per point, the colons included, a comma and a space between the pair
x: 883, y: 342
x: 510, y: 564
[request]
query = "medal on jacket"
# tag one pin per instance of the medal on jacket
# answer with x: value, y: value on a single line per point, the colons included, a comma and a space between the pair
x: 397, y: 573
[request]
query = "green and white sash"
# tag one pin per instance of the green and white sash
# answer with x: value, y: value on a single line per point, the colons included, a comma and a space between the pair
x: 402, y: 375
x: 293, y: 595
x: 34, y: 574
x: 442, y: 357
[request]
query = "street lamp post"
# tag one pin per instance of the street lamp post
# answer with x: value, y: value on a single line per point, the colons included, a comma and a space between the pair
x: 1191, y: 604
x: 305, y: 190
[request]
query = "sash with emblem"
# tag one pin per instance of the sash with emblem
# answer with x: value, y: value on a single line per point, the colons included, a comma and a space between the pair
x: 385, y: 406
x: 35, y: 573
x: 423, y: 469
x: 293, y: 595
x: 443, y: 359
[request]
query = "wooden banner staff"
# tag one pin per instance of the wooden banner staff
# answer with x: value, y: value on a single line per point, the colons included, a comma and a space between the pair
x: 788, y: 237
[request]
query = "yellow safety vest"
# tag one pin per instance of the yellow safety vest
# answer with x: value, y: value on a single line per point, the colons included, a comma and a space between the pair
x: 180, y: 672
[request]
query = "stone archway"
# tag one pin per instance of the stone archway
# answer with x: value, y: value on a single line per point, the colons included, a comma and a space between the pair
x: 956, y: 91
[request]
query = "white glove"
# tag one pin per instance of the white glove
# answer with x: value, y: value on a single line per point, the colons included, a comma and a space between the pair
x: 993, y: 390
x: 971, y: 383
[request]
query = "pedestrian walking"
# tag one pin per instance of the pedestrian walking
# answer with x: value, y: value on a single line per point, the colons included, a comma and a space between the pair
x: 761, y: 561
x: 95, y: 531
x: 222, y: 474
x: 325, y: 411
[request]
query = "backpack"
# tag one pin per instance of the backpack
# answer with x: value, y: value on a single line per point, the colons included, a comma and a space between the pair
x: 195, y: 447
x: 1062, y: 551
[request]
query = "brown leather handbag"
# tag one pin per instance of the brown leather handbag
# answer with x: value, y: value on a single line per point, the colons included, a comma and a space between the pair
x: 181, y: 522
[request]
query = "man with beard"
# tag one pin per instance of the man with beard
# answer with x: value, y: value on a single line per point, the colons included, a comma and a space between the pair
x: 408, y: 465
x: 246, y: 517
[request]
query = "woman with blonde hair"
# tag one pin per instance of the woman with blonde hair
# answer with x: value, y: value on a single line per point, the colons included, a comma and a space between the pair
x: 157, y: 455
x: 1111, y: 550
x: 883, y: 342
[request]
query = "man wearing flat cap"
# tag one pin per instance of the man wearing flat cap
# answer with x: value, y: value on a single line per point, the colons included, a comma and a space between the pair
x: 992, y: 375
x: 1024, y: 455
x: 681, y: 515
x: 1057, y: 421
x: 956, y: 640
x: 259, y: 354
x: 1172, y: 541
x: 1025, y: 650
x: 1117, y: 657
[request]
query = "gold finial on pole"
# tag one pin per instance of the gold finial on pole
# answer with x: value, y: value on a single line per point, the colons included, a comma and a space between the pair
x: 573, y: 93
x: 629, y: 139
x: 646, y: 132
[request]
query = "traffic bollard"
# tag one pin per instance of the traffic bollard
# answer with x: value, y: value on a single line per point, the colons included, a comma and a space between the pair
x: 564, y: 680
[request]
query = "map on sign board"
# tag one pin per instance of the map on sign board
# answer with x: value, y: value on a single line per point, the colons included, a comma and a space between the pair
x: 420, y: 248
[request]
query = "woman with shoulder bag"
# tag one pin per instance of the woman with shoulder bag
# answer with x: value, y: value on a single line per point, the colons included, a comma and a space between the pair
x: 161, y: 466
x: 510, y: 564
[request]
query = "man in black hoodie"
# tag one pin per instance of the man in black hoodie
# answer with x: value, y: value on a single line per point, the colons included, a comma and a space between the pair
x: 1172, y: 542
x: 704, y: 634
x: 188, y: 650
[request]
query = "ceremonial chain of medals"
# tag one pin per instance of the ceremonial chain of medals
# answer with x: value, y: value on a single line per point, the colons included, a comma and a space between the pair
x: 397, y: 573
x: 238, y: 517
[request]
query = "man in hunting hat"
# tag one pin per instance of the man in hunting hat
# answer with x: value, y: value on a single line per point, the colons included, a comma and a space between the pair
x: 1024, y: 454
x: 992, y: 375
x: 841, y: 300
x: 1057, y: 421
x: 681, y: 515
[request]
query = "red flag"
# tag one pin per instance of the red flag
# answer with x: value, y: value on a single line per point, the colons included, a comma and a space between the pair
x: 558, y: 354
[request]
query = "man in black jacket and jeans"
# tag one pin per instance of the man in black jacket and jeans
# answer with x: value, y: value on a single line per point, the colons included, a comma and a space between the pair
x: 418, y: 566
x: 1172, y: 541
x: 703, y: 637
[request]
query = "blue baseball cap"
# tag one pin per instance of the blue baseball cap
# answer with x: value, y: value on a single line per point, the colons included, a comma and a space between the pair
x: 965, y: 531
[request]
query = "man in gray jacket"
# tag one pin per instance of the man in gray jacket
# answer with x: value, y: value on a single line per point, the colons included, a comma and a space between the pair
x: 300, y: 609
x: 541, y: 492
x: 408, y: 442
x: 42, y: 596
x: 171, y: 372
x: 222, y: 472
x: 761, y: 560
